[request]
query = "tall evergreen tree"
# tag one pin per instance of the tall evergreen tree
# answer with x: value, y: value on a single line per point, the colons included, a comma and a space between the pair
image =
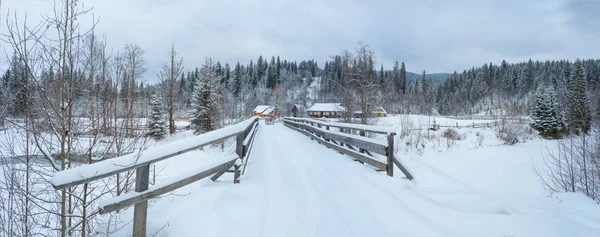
x: 396, y: 77
x: 260, y: 63
x: 272, y: 74
x: 278, y: 76
x: 157, y: 124
x: 506, y: 78
x: 546, y: 117
x: 381, y: 77
x: 237, y: 80
x: 226, y: 75
x: 403, y: 80
x: 578, y: 110
x: 206, y: 101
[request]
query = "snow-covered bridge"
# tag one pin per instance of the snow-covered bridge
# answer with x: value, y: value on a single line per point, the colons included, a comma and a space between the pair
x: 293, y: 186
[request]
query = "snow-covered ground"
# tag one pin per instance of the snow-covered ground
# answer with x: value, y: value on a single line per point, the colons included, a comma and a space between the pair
x: 295, y: 187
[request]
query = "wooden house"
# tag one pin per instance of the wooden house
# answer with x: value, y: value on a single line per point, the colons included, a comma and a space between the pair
x: 298, y: 110
x: 326, y: 110
x: 259, y: 110
x: 266, y: 111
x: 377, y: 112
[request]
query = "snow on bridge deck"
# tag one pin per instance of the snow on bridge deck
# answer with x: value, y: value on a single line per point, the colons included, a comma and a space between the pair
x: 296, y: 187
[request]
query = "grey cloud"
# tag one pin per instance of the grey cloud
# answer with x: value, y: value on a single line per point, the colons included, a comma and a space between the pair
x: 437, y: 36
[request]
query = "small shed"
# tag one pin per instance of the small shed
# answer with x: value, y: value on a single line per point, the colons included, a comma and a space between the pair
x: 298, y: 110
x: 326, y: 110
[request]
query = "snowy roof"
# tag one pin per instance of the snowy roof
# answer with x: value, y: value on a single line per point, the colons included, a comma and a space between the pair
x: 327, y: 107
x: 379, y: 109
x: 268, y: 110
x: 375, y: 110
x: 261, y: 108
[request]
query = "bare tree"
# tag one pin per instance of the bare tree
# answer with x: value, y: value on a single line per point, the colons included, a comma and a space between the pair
x: 135, y: 67
x: 168, y: 77
x: 363, y: 79
x: 572, y: 166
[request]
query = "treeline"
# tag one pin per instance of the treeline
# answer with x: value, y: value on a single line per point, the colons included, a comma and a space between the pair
x: 493, y: 87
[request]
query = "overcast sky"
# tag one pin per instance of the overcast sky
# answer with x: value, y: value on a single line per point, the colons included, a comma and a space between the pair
x: 437, y: 36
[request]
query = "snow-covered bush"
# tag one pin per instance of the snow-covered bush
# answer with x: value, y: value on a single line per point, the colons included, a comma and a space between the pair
x: 406, y: 126
x: 451, y: 134
x: 510, y: 133
x: 480, y: 137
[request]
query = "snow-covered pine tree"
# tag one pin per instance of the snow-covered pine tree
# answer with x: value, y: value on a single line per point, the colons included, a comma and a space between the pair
x: 598, y: 111
x: 237, y: 81
x: 546, y: 118
x: 206, y: 100
x: 578, y: 111
x: 403, y: 80
x: 272, y: 74
x: 157, y: 125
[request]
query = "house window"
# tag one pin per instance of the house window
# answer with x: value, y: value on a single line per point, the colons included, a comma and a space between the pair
x: 326, y: 113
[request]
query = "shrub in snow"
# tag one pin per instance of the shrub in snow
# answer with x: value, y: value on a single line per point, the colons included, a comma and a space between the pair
x: 510, y: 133
x: 157, y: 125
x: 479, y: 138
x: 546, y: 118
x: 572, y: 166
x: 451, y: 134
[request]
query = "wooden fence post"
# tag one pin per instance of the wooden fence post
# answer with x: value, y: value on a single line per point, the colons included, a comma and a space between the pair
x: 239, y: 145
x: 140, y: 211
x: 236, y: 174
x: 390, y: 155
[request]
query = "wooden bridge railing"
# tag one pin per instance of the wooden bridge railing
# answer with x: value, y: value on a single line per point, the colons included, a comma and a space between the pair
x: 358, y: 147
x: 243, y: 131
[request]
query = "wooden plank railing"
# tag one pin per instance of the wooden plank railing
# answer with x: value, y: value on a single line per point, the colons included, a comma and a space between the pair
x: 141, y: 163
x: 356, y: 146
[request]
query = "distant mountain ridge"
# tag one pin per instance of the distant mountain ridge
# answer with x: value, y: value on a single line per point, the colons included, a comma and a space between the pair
x: 436, y: 77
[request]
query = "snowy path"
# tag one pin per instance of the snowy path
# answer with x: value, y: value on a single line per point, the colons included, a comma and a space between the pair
x: 295, y: 187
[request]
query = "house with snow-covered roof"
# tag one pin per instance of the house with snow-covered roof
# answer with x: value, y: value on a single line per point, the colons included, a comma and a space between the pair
x: 298, y: 110
x: 376, y: 112
x: 265, y: 111
x: 258, y: 111
x: 326, y: 110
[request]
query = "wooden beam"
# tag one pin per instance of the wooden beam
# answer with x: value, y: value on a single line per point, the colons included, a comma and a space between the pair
x: 217, y: 175
x: 249, y: 149
x: 135, y: 198
x: 404, y: 170
x: 239, y: 145
x: 348, y: 139
x: 390, y: 156
x: 135, y: 163
x: 375, y: 163
x: 140, y: 211
x: 366, y: 128
x: 236, y: 174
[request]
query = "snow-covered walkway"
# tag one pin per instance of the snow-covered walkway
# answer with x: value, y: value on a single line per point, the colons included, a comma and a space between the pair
x: 295, y: 187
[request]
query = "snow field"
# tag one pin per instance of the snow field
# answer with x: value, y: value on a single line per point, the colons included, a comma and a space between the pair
x: 296, y: 187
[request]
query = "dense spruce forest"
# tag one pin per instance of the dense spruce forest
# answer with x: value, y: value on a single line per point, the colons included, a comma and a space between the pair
x: 276, y: 81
